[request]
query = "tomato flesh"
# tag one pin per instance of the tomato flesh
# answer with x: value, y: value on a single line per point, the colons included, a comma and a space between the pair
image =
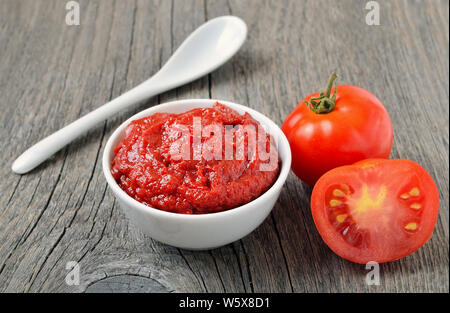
x: 375, y: 210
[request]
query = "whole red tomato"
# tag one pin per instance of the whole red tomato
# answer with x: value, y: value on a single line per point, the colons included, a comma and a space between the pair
x: 338, y: 127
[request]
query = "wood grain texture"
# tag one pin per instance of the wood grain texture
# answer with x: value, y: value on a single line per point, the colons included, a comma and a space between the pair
x: 62, y: 211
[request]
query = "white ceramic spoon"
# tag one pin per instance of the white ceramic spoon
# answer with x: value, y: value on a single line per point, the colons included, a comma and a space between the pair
x: 207, y: 48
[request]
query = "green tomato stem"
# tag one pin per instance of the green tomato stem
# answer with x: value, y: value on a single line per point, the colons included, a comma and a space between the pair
x: 331, y: 81
x: 325, y: 104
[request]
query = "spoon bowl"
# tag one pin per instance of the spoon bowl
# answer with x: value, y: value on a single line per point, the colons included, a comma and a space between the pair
x: 206, y: 49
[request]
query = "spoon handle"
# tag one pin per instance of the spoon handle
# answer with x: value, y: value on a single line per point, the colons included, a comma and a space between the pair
x: 45, y: 148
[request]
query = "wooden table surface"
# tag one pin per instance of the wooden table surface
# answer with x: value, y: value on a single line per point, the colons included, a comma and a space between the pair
x: 52, y: 73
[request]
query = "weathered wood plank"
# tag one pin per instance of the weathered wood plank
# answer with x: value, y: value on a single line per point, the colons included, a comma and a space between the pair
x: 127, y: 284
x: 52, y: 73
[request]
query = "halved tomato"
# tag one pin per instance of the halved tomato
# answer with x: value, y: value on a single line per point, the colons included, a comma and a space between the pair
x: 375, y: 210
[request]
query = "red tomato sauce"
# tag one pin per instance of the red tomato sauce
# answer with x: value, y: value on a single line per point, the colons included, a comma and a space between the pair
x: 146, y: 168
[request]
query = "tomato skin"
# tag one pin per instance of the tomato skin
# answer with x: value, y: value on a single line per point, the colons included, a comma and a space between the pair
x: 393, y: 241
x: 358, y: 128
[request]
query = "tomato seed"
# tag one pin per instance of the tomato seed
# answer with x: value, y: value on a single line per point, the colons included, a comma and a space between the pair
x: 411, y: 226
x: 341, y: 217
x: 346, y: 188
x: 335, y: 203
x: 415, y: 206
x: 338, y: 193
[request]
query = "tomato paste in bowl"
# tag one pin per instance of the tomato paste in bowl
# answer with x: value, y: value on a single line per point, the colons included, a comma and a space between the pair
x: 215, y: 229
x: 204, y: 160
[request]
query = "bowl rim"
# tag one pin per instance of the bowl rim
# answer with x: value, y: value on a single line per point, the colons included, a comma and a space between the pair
x: 281, y: 140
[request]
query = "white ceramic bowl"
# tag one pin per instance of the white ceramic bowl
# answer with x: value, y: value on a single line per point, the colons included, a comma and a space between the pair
x: 200, y: 231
